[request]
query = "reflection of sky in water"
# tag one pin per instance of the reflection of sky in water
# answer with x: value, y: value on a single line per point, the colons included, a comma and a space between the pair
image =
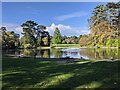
x: 52, y: 56
x: 71, y: 49
x: 72, y: 53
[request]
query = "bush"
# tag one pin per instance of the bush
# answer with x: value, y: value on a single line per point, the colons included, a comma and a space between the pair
x: 27, y: 46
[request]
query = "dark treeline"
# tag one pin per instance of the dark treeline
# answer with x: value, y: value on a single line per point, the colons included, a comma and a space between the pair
x: 104, y: 28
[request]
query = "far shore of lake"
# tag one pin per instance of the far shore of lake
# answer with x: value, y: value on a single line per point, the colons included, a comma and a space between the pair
x: 83, y: 47
x: 71, y: 47
x: 77, y: 47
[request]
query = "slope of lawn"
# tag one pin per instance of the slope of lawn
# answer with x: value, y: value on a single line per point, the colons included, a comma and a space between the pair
x: 66, y: 45
x: 28, y: 73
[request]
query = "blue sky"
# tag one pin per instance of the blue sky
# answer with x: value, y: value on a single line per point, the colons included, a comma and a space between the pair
x: 71, y: 18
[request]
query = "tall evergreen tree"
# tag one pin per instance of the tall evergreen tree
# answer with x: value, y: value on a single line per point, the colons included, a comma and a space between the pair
x: 28, y: 39
x: 39, y: 31
x: 56, y: 37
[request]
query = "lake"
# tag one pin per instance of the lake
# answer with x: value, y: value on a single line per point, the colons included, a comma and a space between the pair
x: 65, y: 52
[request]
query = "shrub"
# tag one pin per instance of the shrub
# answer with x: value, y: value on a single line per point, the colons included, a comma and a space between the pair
x: 27, y: 46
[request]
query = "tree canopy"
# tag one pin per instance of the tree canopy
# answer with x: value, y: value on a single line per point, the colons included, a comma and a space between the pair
x: 34, y: 36
x: 56, y: 37
x: 104, y: 26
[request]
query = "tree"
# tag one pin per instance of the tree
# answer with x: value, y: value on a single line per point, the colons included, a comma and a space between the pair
x: 40, y: 32
x: 99, y: 15
x: 10, y: 39
x: 45, y: 41
x: 104, y: 24
x: 56, y: 37
x: 4, y: 35
x: 29, y: 33
x: 83, y: 40
x: 33, y: 35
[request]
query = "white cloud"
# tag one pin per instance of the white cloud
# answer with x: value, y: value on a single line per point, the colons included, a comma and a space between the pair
x: 67, y: 30
x: 71, y: 15
x: 64, y: 29
x: 13, y: 27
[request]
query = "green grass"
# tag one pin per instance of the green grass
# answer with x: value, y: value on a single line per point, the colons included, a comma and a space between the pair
x: 67, y: 45
x: 27, y: 73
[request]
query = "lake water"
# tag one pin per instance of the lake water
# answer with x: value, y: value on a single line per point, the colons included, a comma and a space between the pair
x: 66, y: 52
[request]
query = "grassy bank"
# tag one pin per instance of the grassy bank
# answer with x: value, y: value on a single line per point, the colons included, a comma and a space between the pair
x: 66, y: 45
x: 29, y: 73
x: 73, y: 46
x: 69, y: 46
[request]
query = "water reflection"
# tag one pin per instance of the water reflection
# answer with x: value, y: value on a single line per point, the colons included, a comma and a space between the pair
x: 100, y: 53
x: 60, y: 53
x: 28, y: 52
x: 56, y: 53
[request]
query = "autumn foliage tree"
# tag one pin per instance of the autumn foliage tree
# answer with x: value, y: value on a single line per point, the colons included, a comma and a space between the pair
x: 104, y: 26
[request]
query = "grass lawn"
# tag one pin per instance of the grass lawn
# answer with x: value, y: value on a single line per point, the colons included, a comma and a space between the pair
x: 67, y: 45
x: 27, y: 74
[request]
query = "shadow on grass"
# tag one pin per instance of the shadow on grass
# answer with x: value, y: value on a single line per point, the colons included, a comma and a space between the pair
x: 49, y: 74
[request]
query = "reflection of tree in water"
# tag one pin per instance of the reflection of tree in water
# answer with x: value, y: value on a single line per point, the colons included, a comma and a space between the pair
x: 43, y: 53
x: 74, y: 53
x: 88, y: 52
x: 17, y: 52
x: 100, y: 53
x: 56, y: 53
x: 28, y: 52
x: 118, y: 54
x: 113, y: 53
x: 69, y: 54
x: 64, y: 53
x: 11, y: 52
x: 46, y: 53
x: 39, y: 54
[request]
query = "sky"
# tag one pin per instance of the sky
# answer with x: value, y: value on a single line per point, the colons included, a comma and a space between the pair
x: 70, y: 17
